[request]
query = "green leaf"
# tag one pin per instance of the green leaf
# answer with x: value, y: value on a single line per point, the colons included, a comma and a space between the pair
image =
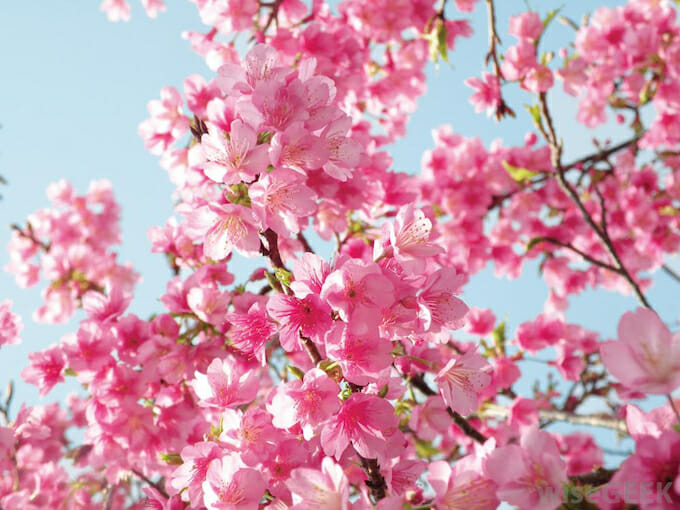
x: 174, y: 459
x: 499, y: 338
x: 550, y: 16
x: 284, y: 276
x: 383, y: 391
x: 264, y: 137
x: 295, y: 371
x: 533, y: 242
x: 518, y: 174
x: 424, y: 449
x: 437, y: 40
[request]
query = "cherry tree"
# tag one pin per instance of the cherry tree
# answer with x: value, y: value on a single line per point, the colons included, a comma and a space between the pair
x: 361, y: 379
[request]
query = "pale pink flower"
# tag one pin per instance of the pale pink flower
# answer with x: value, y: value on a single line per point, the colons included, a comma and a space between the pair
x: 249, y: 332
x: 230, y: 485
x: 361, y: 352
x: 529, y: 475
x: 281, y: 201
x: 225, y: 384
x: 527, y: 25
x: 233, y: 158
x: 487, y: 94
x: 409, y: 239
x: 153, y: 7
x: 646, y: 355
x: 461, y: 381
x: 191, y: 474
x: 538, y: 79
x: 45, y: 368
x: 102, y: 307
x: 357, y: 284
x: 10, y: 325
x: 209, y: 305
x: 225, y: 227
x: 309, y: 316
x: 652, y: 423
x: 260, y: 65
x: 310, y: 271
x: 438, y: 307
x: 116, y: 10
x: 298, y: 149
x: 313, y: 489
x: 309, y: 402
x: 461, y: 486
x: 367, y: 422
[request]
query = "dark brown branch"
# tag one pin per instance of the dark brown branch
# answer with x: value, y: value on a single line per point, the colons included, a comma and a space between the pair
x: 150, y: 482
x: 671, y: 272
x: 596, y: 478
x: 29, y: 234
x: 492, y: 56
x: 601, y: 155
x: 305, y: 244
x: 376, y: 481
x: 272, y: 249
x: 573, y: 248
x: 419, y: 383
x: 311, y: 349
x: 556, y: 157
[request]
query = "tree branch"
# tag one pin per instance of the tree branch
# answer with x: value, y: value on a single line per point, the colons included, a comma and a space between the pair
x: 556, y: 157
x: 150, y: 482
x: 573, y: 248
x: 462, y: 423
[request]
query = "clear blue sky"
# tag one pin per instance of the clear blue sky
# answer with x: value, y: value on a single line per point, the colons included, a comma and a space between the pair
x: 76, y: 87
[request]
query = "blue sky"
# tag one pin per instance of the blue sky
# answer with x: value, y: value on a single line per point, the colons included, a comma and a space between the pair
x: 76, y: 87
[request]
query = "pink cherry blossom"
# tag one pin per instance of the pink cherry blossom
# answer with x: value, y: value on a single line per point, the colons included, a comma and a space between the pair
x: 229, y: 485
x: 646, y: 355
x: 327, y: 488
x: 529, y: 475
x: 309, y: 402
x: 10, y: 324
x: 234, y: 156
x: 226, y: 227
x: 225, y: 384
x: 461, y: 380
x: 366, y: 422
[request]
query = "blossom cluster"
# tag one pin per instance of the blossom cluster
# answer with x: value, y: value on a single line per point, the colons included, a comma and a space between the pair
x: 361, y: 380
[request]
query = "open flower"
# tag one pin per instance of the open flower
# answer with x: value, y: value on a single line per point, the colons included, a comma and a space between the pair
x: 646, y: 355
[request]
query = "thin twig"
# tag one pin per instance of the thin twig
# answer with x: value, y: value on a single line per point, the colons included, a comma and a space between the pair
x: 596, y: 478
x: 556, y: 157
x: 419, y: 383
x: 601, y: 155
x: 552, y: 415
x: 671, y: 272
x: 305, y: 244
x: 150, y: 482
x: 376, y: 481
x: 492, y: 56
x: 573, y: 248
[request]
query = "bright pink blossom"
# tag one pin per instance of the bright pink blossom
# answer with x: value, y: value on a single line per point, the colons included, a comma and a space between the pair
x: 531, y: 474
x: 230, y: 485
x: 461, y: 381
x: 367, y: 422
x: 225, y: 384
x: 10, y: 325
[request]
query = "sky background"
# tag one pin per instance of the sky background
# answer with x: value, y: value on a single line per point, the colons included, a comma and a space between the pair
x: 75, y: 88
